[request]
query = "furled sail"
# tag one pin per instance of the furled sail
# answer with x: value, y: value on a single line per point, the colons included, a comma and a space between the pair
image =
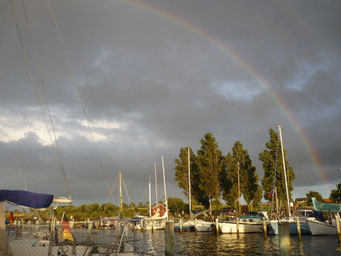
x: 26, y: 198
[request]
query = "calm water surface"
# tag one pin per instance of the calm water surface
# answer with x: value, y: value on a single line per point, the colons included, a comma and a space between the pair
x: 246, y: 244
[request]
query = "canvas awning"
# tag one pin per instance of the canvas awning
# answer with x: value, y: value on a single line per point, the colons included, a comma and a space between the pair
x: 27, y: 199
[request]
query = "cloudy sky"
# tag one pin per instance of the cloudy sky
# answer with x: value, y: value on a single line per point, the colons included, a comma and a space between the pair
x: 154, y: 76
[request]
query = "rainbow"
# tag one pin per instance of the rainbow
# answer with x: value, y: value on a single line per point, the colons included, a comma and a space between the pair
x: 227, y: 51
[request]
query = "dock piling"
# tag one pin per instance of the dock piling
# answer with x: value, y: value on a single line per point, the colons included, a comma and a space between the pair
x: 298, y: 228
x: 237, y: 226
x: 169, y: 238
x: 337, y: 220
x: 284, y: 238
x: 265, y: 230
x: 217, y: 226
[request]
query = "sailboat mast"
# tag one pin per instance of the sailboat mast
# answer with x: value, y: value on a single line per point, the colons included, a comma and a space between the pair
x: 155, y: 183
x: 150, y: 197
x: 189, y: 183
x: 164, y: 183
x: 121, y: 198
x: 239, y: 199
x: 284, y: 170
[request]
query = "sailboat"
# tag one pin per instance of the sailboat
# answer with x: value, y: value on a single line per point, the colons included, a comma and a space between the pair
x: 193, y: 224
x: 158, y: 214
x: 273, y: 226
x: 246, y: 224
x: 320, y: 227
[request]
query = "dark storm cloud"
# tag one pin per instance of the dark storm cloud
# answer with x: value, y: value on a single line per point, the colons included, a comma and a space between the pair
x: 150, y: 86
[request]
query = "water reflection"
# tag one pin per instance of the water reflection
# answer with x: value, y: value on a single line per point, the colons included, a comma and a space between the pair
x: 231, y: 244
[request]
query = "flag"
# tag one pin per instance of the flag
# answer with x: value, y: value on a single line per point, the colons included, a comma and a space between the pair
x: 272, y: 192
x: 11, y: 219
x: 67, y: 235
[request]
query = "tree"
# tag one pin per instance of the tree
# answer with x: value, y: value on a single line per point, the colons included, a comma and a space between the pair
x: 110, y: 209
x: 272, y: 159
x: 210, y: 167
x: 181, y: 175
x: 250, y: 188
x: 90, y: 208
x: 229, y: 181
x: 315, y: 194
x: 177, y: 205
x: 335, y: 194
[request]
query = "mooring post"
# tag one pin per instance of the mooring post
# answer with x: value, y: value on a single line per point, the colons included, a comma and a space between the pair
x: 265, y: 228
x: 237, y: 226
x: 90, y: 226
x: 169, y: 238
x: 195, y: 225
x: 217, y: 226
x: 298, y: 228
x: 337, y: 220
x: 141, y: 224
x: 284, y: 237
x: 180, y: 225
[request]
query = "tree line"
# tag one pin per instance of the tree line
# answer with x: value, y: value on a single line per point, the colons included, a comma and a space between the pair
x: 214, y: 175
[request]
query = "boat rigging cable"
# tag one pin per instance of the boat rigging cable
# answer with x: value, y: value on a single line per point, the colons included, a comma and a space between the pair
x: 126, y: 190
x: 274, y: 191
x: 73, y: 77
x: 13, y: 157
x: 36, y: 92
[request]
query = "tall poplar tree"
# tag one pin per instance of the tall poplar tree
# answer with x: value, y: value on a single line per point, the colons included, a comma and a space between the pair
x: 210, y: 166
x: 181, y: 176
x: 249, y: 186
x: 272, y: 157
x: 229, y: 181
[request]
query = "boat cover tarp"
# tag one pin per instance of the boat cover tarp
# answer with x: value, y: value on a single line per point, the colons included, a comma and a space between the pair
x: 26, y: 198
x: 325, y: 206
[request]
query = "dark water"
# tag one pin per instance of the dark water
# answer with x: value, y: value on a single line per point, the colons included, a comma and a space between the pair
x: 245, y: 244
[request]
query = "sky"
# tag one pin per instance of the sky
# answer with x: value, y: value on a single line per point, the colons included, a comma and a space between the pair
x: 153, y: 76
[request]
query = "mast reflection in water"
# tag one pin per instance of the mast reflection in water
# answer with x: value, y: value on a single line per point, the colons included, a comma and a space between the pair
x: 230, y: 244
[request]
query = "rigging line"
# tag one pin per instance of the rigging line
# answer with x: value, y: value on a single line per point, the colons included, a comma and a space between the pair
x: 73, y: 76
x: 14, y: 158
x: 30, y: 71
x: 29, y: 66
x: 111, y: 191
x: 35, y: 59
x: 126, y: 190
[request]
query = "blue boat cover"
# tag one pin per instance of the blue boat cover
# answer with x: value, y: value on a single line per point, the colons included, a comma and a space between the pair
x: 325, y: 206
x: 26, y: 198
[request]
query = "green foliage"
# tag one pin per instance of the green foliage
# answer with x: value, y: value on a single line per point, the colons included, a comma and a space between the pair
x: 335, y: 194
x: 110, y: 209
x: 230, y: 181
x: 181, y: 175
x: 271, y: 156
x: 92, y: 208
x: 250, y: 188
x: 177, y: 205
x: 315, y: 194
x: 210, y: 166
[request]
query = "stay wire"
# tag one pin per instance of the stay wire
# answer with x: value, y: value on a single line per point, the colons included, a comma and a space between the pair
x: 30, y: 71
x: 73, y: 76
x: 35, y: 59
x: 126, y: 190
x: 14, y: 159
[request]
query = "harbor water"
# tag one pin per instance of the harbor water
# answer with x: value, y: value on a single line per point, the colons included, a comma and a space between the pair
x: 230, y: 244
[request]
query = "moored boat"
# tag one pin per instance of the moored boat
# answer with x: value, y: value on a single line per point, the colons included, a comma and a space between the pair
x: 245, y: 226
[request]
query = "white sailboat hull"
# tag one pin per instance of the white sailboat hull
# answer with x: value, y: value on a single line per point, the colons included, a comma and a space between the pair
x: 319, y: 228
x: 204, y: 226
x: 231, y: 227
